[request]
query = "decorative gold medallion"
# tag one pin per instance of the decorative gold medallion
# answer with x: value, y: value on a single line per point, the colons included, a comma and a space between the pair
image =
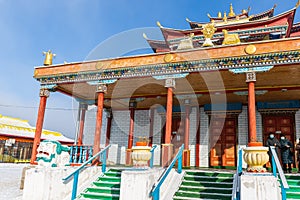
x: 168, y: 57
x: 99, y: 65
x: 250, y: 49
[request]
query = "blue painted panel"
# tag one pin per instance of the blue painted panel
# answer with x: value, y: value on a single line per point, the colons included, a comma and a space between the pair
x: 278, y: 104
x: 223, y: 107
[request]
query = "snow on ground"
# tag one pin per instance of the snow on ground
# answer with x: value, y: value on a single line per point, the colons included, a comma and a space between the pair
x: 10, y: 181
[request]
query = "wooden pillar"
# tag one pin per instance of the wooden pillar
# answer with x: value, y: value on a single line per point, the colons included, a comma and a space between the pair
x: 82, y: 108
x: 197, y: 148
x: 250, y: 79
x: 186, y: 151
x: 44, y: 94
x: 101, y: 89
x: 167, y: 148
x: 132, y: 106
x: 151, y: 127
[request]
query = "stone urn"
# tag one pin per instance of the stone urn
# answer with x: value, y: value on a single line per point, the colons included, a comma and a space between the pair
x: 141, y: 155
x: 256, y: 157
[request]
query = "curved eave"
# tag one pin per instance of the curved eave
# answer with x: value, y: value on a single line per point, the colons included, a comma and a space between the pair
x: 158, y: 45
x: 281, y: 19
x: 268, y: 13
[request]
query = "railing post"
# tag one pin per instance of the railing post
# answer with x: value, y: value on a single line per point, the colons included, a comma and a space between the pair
x: 71, y: 154
x: 103, y: 160
x: 283, y: 192
x: 152, y: 156
x: 179, y: 170
x: 155, y: 194
x: 274, y: 166
x: 75, y: 182
x: 240, y: 164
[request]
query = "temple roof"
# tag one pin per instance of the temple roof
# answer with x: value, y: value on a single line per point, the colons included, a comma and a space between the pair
x: 14, y: 127
x: 257, y: 27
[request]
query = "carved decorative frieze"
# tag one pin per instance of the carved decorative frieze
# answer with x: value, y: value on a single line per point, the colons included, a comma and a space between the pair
x: 165, y: 69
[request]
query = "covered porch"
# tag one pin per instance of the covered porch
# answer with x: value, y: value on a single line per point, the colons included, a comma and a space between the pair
x: 203, y: 98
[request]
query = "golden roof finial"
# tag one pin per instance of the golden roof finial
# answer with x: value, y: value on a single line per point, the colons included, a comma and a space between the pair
x: 158, y: 24
x: 231, y: 13
x: 48, y: 57
x: 297, y: 4
x: 219, y: 14
x: 145, y: 36
x: 225, y: 17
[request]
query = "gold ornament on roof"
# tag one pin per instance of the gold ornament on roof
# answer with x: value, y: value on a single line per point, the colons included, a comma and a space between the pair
x: 219, y: 15
x: 230, y: 38
x: 225, y: 17
x: 48, y: 57
x: 231, y: 13
x: 208, y: 31
x: 297, y: 4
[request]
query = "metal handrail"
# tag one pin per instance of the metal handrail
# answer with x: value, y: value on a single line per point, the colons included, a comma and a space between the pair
x: 155, y: 191
x: 152, y: 155
x: 239, y: 169
x: 76, y: 172
x: 276, y: 164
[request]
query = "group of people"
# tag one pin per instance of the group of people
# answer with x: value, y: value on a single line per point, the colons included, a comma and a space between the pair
x: 286, y: 151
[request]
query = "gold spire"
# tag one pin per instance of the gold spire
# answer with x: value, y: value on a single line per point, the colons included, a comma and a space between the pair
x: 231, y: 13
x: 48, y: 58
x: 225, y: 17
x: 219, y: 14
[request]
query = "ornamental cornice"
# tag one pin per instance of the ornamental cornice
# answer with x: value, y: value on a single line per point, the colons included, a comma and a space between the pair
x: 281, y: 58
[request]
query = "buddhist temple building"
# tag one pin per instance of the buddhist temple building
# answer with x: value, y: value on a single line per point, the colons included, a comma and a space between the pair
x: 218, y: 86
x: 16, y: 139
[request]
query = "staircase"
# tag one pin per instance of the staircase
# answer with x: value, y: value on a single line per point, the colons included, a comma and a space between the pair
x: 294, y: 184
x: 106, y: 187
x: 198, y: 185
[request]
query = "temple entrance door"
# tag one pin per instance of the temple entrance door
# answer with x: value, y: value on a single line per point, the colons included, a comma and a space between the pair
x: 278, y: 124
x: 223, y: 140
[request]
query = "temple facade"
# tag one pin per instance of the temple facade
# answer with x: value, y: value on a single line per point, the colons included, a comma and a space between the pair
x: 216, y: 87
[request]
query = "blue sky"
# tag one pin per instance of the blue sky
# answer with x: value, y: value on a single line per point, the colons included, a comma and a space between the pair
x: 75, y: 30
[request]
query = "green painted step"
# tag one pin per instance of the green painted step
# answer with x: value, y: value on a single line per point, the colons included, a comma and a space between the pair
x: 205, y: 185
x: 106, y: 187
x: 294, y: 184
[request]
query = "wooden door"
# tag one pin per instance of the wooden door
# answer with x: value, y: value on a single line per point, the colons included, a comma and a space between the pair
x: 223, y: 141
x: 177, y: 132
x: 279, y: 124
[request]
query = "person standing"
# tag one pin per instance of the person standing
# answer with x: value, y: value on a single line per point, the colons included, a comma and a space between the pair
x: 272, y: 141
x: 298, y: 154
x: 286, y: 154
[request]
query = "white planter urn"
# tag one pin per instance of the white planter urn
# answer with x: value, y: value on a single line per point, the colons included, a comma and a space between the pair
x: 256, y: 157
x: 141, y: 155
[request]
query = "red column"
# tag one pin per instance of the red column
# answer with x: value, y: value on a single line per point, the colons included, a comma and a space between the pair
x: 44, y: 94
x: 186, y: 152
x: 83, y: 108
x: 100, y: 90
x: 169, y: 116
x: 197, y: 153
x: 167, y: 148
x: 251, y: 78
x: 130, y: 135
x: 151, y: 126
